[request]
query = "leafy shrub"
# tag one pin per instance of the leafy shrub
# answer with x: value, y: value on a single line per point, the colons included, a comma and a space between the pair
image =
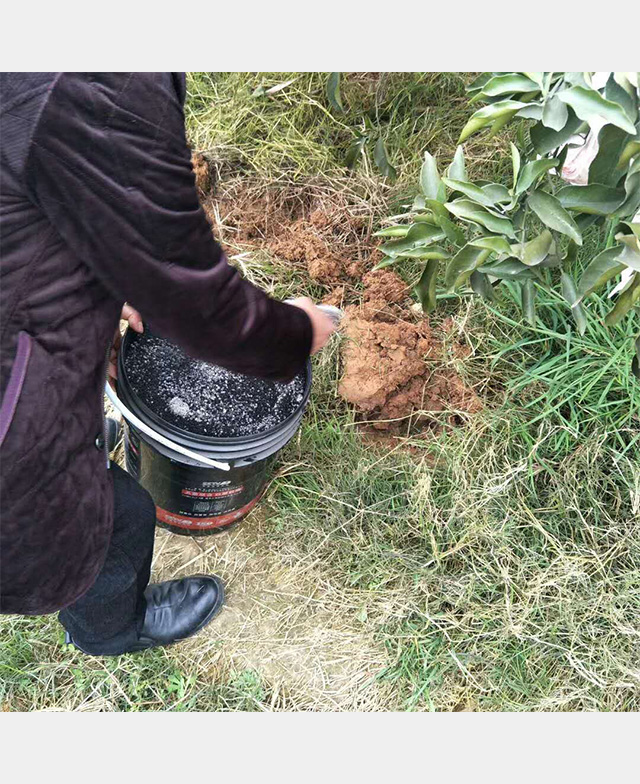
x: 530, y: 231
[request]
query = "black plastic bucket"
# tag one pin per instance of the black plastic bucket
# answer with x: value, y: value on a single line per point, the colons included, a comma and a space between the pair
x: 190, y: 496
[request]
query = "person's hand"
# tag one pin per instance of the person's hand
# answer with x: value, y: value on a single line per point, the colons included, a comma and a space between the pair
x: 323, y: 326
x: 134, y: 319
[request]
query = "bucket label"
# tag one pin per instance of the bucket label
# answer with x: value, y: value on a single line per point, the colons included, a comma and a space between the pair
x: 194, y: 498
x: 183, y: 521
x: 213, y: 493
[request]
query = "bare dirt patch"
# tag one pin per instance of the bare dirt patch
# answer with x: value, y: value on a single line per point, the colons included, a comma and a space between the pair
x: 394, y: 363
x: 318, y: 242
x: 283, y: 618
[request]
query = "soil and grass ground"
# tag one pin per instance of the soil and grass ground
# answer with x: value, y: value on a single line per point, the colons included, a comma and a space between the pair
x: 480, y: 554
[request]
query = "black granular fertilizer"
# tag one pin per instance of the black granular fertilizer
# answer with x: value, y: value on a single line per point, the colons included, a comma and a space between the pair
x: 205, y: 399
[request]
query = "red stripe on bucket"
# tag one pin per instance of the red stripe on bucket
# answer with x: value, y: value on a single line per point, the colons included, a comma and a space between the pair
x: 202, y: 523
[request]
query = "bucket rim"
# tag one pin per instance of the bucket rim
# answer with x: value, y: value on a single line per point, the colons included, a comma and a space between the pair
x: 167, y: 429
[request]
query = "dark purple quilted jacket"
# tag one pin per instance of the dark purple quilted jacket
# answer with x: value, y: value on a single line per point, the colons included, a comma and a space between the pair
x: 98, y: 206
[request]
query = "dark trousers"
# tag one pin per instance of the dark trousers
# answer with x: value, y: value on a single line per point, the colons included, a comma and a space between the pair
x: 108, y: 617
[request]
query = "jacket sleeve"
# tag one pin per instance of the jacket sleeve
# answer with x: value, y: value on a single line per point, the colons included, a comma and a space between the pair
x: 110, y: 167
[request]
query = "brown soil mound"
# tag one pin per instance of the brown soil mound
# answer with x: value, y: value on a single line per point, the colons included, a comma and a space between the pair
x: 314, y: 241
x: 302, y: 228
x: 394, y: 367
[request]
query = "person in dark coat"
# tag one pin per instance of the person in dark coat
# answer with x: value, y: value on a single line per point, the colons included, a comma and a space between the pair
x: 98, y: 207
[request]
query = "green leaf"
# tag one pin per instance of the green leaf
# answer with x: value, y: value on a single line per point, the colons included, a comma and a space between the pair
x: 509, y: 269
x: 426, y: 286
x: 635, y: 227
x: 481, y: 286
x: 497, y: 193
x: 469, y: 189
x: 426, y: 217
x: 590, y: 106
x: 437, y: 207
x: 535, y: 76
x: 536, y: 250
x: 355, y: 151
x: 629, y: 254
x: 495, y: 244
x: 455, y: 235
x: 387, y: 262
x: 590, y: 199
x: 570, y: 295
x: 430, y: 181
x: 529, y: 301
x: 625, y: 302
x: 583, y: 221
x: 551, y: 261
x: 616, y: 93
x: 554, y: 215
x: 419, y: 236
x: 515, y: 158
x: 546, y: 139
x: 611, y: 144
x: 479, y: 82
x: 555, y: 114
x: 382, y: 161
x: 430, y: 252
x: 631, y: 204
x: 470, y: 211
x: 333, y: 91
x: 509, y: 83
x: 463, y: 264
x: 631, y: 149
x: 635, y: 364
x: 601, y: 269
x: 393, y: 231
x: 531, y: 112
x: 488, y: 115
x: 532, y: 171
x: 457, y: 170
x: 576, y: 78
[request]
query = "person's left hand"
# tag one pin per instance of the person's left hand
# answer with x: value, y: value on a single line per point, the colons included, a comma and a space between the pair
x: 134, y: 319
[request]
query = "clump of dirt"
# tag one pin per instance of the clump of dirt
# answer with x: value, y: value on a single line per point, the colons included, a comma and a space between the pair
x: 252, y: 219
x: 204, y: 180
x: 313, y: 241
x: 335, y: 297
x: 394, y: 367
x: 382, y: 290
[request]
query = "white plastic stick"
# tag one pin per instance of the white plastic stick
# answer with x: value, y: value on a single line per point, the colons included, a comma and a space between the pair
x: 131, y: 417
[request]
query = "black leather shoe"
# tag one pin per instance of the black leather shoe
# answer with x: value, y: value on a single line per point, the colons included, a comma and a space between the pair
x: 176, y: 609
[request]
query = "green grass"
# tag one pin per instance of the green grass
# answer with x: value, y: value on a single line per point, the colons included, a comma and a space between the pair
x: 38, y: 672
x: 294, y: 134
x: 501, y: 574
x: 494, y: 566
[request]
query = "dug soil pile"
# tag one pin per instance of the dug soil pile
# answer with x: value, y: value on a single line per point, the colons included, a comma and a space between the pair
x: 395, y: 363
x: 394, y: 366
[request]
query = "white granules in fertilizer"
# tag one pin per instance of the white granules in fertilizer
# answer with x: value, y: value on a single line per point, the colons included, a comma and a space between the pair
x: 179, y: 407
x: 205, y: 399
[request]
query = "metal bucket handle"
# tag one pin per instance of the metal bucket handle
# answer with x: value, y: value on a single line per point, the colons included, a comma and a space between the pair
x: 131, y: 417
